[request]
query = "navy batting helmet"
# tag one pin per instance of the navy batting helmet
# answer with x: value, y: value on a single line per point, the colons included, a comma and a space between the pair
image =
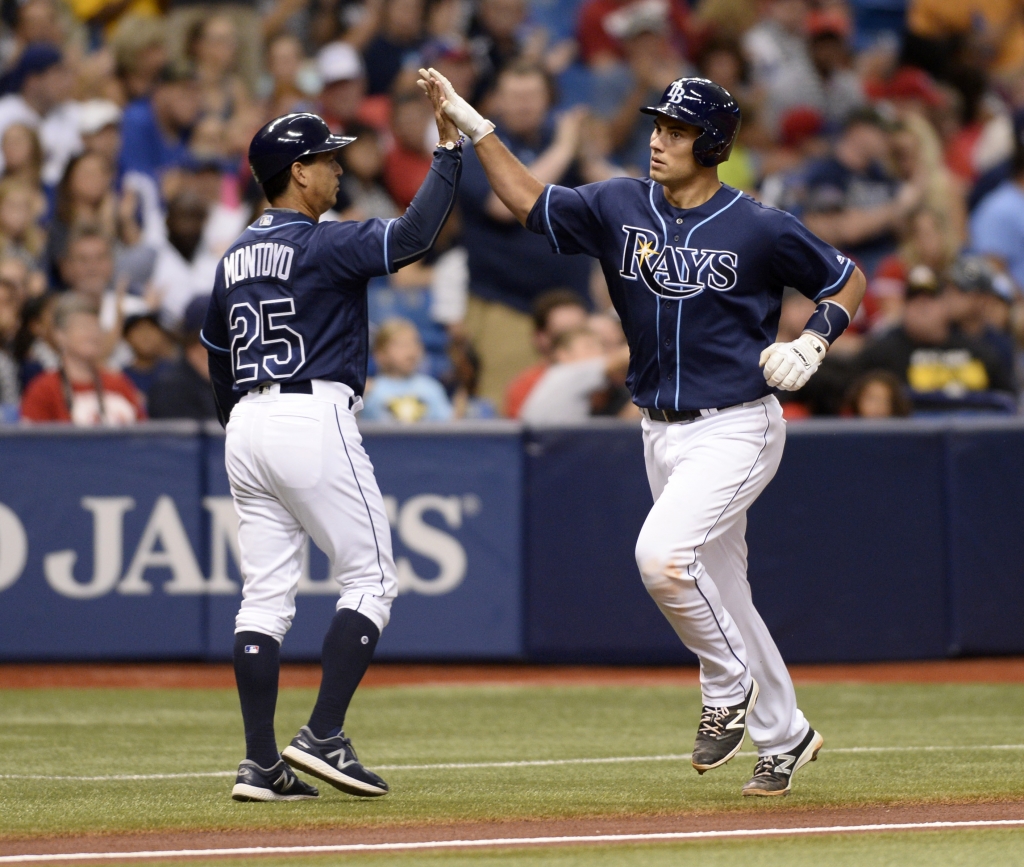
x: 288, y: 138
x: 710, y: 106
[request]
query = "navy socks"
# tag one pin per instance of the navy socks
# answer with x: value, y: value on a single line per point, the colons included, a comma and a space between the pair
x: 257, y: 665
x: 348, y: 649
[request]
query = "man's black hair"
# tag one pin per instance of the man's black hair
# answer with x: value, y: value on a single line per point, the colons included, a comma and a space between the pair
x: 274, y: 187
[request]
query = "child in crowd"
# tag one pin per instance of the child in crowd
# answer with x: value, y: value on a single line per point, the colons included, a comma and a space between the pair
x: 398, y: 392
x: 151, y: 348
x: 21, y: 205
x: 878, y: 394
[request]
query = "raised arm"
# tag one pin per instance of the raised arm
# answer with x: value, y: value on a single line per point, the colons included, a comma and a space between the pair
x: 511, y: 181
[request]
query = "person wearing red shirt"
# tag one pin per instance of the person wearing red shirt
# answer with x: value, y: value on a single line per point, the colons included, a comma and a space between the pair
x: 80, y: 391
x: 556, y: 312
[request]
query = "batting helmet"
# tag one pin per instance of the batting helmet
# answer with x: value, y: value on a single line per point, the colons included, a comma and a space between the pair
x: 710, y: 106
x: 288, y: 138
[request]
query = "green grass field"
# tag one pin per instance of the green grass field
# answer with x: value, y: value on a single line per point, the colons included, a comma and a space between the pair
x: 112, y: 732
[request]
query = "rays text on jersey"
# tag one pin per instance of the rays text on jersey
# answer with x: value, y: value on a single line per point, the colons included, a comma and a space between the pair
x: 675, y: 272
x: 258, y: 261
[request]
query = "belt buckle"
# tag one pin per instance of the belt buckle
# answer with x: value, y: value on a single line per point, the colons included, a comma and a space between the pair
x: 265, y: 388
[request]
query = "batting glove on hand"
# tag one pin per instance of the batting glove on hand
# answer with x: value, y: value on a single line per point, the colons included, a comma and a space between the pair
x: 789, y: 365
x: 465, y: 117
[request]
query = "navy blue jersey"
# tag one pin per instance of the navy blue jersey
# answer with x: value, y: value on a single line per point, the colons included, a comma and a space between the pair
x: 699, y: 291
x: 289, y: 300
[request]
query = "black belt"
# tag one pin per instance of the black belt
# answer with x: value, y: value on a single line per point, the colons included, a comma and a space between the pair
x: 673, y: 416
x: 303, y: 386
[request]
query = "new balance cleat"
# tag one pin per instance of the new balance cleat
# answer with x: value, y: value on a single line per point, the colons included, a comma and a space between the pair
x: 720, y: 733
x: 334, y: 761
x: 278, y: 783
x: 773, y: 775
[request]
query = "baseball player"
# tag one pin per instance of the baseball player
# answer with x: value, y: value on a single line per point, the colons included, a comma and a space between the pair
x: 696, y: 271
x: 287, y: 337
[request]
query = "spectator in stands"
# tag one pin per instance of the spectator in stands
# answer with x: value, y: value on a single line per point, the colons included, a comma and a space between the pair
x: 182, y: 389
x: 851, y: 201
x: 155, y: 129
x: 21, y: 155
x: 99, y: 125
x: 140, y: 54
x: 81, y: 390
x: 410, y: 156
x: 599, y: 20
x: 399, y: 33
x: 88, y: 270
x: 21, y: 206
x: 944, y: 369
x: 497, y: 33
x: 151, y: 350
x: 615, y: 399
x: 830, y: 86
x: 554, y: 313
x: 652, y: 63
x: 284, y: 64
x: 35, y: 348
x: 466, y: 375
x: 363, y: 162
x: 580, y: 369
x: 878, y: 394
x: 399, y: 393
x: 212, y: 47
x: 968, y: 286
x: 181, y: 272
x: 510, y: 267
x: 37, y: 91
x: 10, y: 390
x: 997, y: 225
x: 86, y: 197
x: 248, y: 22
x: 344, y: 85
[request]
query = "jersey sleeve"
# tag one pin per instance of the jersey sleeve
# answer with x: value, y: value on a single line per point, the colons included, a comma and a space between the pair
x: 352, y: 252
x: 805, y: 262
x: 566, y: 217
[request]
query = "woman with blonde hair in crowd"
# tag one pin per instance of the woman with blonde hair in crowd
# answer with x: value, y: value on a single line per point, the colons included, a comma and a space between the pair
x: 21, y: 206
x: 23, y: 154
x: 213, y: 48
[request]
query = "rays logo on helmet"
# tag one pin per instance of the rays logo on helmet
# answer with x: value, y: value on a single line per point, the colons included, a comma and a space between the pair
x: 675, y: 272
x: 676, y: 92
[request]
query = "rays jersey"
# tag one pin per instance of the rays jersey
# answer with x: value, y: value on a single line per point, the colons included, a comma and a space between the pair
x: 289, y: 301
x: 699, y: 291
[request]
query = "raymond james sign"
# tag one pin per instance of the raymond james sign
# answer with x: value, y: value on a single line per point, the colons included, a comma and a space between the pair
x: 125, y: 545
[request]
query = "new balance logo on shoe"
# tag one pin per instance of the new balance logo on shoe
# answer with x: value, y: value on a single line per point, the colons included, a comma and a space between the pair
x: 784, y: 764
x: 738, y: 723
x: 341, y: 766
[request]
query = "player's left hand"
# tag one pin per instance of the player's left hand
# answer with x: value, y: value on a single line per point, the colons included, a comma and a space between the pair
x: 789, y: 365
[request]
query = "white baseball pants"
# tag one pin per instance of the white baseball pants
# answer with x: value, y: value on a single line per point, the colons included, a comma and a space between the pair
x: 297, y: 466
x: 692, y: 555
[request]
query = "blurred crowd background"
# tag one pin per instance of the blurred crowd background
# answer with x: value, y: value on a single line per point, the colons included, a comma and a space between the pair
x: 893, y: 128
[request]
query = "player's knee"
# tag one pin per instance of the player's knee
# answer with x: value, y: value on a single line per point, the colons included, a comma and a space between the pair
x: 662, y: 566
x: 377, y: 609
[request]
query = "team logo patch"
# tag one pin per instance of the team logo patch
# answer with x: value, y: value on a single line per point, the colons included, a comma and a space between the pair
x: 252, y: 648
x: 266, y: 219
x: 675, y: 272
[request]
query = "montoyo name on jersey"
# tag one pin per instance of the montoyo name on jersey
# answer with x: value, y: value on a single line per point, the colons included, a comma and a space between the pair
x: 675, y: 272
x: 254, y: 261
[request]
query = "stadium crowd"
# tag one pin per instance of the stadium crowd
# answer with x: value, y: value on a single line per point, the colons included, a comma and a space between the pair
x: 893, y: 128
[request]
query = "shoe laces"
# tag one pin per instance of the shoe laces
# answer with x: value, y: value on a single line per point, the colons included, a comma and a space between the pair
x: 765, y: 766
x: 712, y: 720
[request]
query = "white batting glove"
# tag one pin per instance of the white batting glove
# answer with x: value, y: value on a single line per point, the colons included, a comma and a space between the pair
x: 463, y: 115
x: 789, y: 365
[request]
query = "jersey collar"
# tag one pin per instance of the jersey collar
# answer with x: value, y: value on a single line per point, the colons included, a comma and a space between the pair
x: 282, y: 215
x: 720, y: 198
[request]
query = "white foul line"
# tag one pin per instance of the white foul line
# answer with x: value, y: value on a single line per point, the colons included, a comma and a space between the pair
x: 532, y: 763
x: 510, y: 841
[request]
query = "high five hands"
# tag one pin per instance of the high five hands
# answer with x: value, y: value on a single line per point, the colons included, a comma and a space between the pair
x: 452, y: 107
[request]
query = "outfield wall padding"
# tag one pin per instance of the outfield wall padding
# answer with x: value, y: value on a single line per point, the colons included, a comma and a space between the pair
x: 888, y: 540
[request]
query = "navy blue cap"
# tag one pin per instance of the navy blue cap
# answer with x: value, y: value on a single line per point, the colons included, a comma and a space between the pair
x: 702, y: 103
x: 289, y: 138
x: 36, y: 58
x: 195, y: 315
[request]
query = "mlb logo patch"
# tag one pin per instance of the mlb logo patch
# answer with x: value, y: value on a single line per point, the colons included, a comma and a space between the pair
x: 266, y: 219
x: 252, y: 648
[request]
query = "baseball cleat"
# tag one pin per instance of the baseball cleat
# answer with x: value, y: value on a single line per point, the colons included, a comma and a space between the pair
x: 334, y: 761
x: 278, y: 783
x: 721, y: 730
x: 773, y: 775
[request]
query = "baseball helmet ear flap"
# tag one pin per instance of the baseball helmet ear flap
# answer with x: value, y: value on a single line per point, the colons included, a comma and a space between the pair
x: 704, y: 104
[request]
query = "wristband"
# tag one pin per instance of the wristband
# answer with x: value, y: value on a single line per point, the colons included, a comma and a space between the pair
x: 828, y: 321
x: 451, y: 145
